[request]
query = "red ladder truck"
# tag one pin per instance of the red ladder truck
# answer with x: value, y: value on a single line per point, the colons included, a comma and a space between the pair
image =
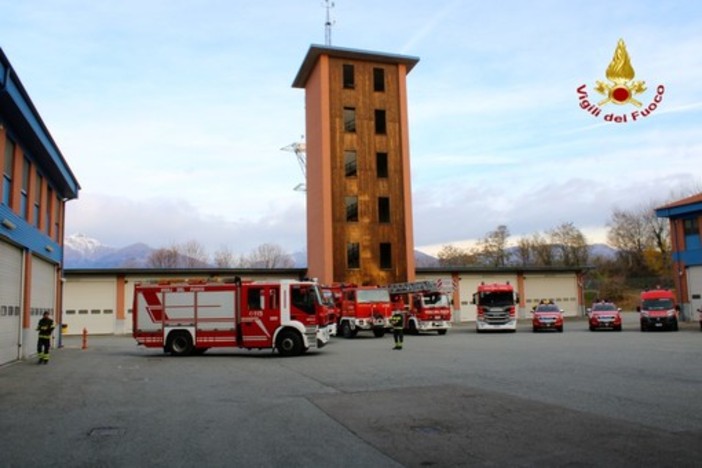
x: 189, y: 317
x: 427, y: 305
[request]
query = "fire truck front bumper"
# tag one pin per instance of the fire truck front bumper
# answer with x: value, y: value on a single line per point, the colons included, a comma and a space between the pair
x: 432, y: 325
x: 323, y: 335
x: 481, y: 325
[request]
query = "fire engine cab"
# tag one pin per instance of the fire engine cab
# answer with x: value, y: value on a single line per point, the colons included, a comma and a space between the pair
x: 496, y: 307
x: 360, y: 308
x: 427, y: 305
x: 189, y: 317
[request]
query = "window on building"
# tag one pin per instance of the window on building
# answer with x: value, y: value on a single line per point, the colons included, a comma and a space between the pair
x: 351, y: 209
x: 57, y: 211
x: 350, y: 163
x: 7, y: 171
x: 349, y: 119
x: 348, y: 76
x: 383, y: 209
x: 380, y: 126
x: 691, y: 227
x: 385, y: 255
x: 37, y: 199
x: 378, y: 79
x: 24, y: 199
x: 353, y: 255
x: 47, y: 211
x: 381, y: 165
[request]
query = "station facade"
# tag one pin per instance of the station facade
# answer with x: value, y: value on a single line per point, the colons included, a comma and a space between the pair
x: 36, y: 183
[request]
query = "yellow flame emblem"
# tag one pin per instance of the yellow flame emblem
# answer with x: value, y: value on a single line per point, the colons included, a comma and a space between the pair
x: 621, y: 75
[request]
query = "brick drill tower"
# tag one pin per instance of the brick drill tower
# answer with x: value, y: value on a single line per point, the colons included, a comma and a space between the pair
x: 359, y: 204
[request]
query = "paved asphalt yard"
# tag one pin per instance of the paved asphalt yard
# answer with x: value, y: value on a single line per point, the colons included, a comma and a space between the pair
x: 465, y: 399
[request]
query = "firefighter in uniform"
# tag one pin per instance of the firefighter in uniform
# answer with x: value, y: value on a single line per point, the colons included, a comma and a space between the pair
x: 45, y: 327
x: 397, y: 322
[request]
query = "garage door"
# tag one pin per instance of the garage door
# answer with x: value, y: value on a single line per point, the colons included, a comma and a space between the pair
x: 43, y: 290
x: 89, y: 303
x: 560, y: 288
x: 694, y: 286
x: 10, y: 296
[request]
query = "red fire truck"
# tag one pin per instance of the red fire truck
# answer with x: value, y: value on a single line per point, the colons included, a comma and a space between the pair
x: 360, y: 308
x: 189, y: 317
x: 496, y: 307
x: 427, y: 305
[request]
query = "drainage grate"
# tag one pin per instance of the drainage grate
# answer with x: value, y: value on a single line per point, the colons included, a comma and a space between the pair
x: 107, y: 431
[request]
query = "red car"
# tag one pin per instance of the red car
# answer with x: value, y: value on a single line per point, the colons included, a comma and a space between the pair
x: 604, y: 316
x: 547, y: 316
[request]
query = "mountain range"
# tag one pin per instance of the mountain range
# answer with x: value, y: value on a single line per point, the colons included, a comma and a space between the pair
x: 81, y: 251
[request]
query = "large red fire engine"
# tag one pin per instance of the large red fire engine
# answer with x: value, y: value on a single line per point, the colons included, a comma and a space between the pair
x: 496, y: 307
x: 360, y: 308
x: 189, y: 317
x: 427, y: 304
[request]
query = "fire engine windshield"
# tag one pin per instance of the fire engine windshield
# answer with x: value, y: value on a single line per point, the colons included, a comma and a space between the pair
x: 496, y: 299
x: 305, y: 297
x: 372, y: 295
x: 435, y: 300
x: 604, y: 306
x: 658, y: 304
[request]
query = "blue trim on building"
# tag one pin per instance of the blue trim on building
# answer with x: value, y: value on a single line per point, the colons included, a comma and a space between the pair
x: 683, y: 211
x: 28, y: 236
x: 20, y: 115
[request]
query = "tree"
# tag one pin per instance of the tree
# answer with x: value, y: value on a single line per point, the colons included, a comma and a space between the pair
x: 493, y: 247
x: 450, y: 255
x: 225, y: 258
x: 269, y: 256
x: 628, y: 233
x: 163, y: 258
x: 192, y: 254
x: 569, y: 245
x: 543, y: 251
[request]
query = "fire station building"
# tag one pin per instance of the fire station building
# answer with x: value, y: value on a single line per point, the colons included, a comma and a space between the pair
x: 100, y: 300
x: 36, y: 183
x: 686, y: 240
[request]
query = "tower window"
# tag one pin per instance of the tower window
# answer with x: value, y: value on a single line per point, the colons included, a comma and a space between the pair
x: 353, y: 256
x: 381, y: 165
x: 690, y: 227
x: 350, y: 163
x: 24, y: 200
x: 385, y: 255
x: 378, y: 79
x: 380, y: 127
x: 383, y: 209
x: 349, y: 119
x: 351, y: 209
x: 348, y: 76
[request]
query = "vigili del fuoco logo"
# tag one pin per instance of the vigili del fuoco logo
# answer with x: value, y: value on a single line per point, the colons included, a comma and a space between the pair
x: 621, y: 89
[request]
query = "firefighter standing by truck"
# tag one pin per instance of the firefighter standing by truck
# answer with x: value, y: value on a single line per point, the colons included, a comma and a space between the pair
x: 397, y: 321
x: 45, y: 327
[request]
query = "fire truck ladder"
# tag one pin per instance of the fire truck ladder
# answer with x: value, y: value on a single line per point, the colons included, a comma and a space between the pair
x: 427, y: 286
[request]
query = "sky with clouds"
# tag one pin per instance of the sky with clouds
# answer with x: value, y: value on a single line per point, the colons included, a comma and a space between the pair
x: 172, y: 114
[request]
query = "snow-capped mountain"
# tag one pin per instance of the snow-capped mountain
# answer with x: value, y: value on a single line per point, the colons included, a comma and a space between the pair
x: 81, y: 251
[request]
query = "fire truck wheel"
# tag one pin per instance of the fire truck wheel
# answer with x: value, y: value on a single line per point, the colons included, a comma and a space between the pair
x: 346, y: 330
x: 379, y: 332
x: 413, y: 328
x: 289, y: 343
x: 441, y: 332
x: 180, y: 343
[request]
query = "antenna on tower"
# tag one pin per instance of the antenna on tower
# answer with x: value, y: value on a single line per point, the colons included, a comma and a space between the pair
x: 299, y: 149
x: 329, y: 23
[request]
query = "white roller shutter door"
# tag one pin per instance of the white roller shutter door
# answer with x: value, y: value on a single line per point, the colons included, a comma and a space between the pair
x: 560, y: 288
x: 10, y: 298
x: 694, y: 288
x: 43, y: 289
